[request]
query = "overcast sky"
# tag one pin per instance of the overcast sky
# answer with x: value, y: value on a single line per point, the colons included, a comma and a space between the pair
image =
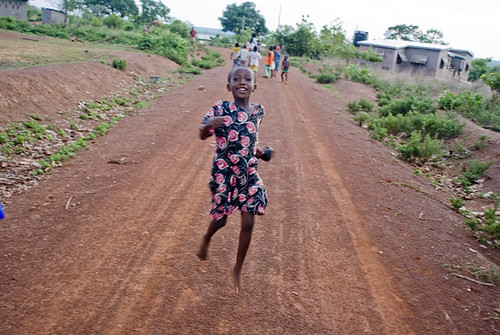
x: 473, y: 25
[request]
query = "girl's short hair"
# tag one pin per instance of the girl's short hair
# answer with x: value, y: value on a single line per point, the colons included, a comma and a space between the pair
x: 232, y: 72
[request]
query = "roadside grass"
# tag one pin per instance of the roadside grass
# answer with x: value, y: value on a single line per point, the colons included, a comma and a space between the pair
x: 419, y: 118
x: 53, y: 51
x: 34, y: 147
x: 487, y: 276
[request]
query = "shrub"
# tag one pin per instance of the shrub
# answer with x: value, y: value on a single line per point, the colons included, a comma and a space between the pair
x: 113, y: 21
x: 366, y: 105
x: 168, y: 44
x: 457, y: 203
x: 119, y: 64
x: 473, y: 170
x: 96, y: 22
x: 327, y: 77
x: 357, y: 74
x: 362, y: 118
x: 418, y: 148
x: 353, y: 107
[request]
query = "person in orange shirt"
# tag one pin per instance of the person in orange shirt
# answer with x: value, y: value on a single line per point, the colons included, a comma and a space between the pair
x: 269, y: 67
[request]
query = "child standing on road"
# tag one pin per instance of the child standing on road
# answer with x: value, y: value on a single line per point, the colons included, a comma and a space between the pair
x: 254, y: 58
x: 234, y: 181
x: 235, y: 55
x: 269, y: 67
x: 243, y: 55
x: 285, y: 66
x: 276, y: 61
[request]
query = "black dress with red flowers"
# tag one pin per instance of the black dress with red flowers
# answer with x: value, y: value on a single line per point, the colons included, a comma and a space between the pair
x: 234, y: 181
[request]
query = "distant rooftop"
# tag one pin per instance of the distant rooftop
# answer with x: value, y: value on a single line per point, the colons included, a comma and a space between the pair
x: 204, y: 33
x: 399, y: 44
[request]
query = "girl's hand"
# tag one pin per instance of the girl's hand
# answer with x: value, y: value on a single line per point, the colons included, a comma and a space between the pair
x: 207, y: 129
x: 259, y: 152
x: 215, y: 122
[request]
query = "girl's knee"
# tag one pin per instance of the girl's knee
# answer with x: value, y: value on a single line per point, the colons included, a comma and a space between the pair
x: 247, y: 222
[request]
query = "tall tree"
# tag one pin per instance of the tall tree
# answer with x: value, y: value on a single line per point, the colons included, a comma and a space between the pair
x: 122, y: 8
x: 152, y: 10
x: 412, y: 33
x: 237, y: 18
x: 300, y: 41
x: 332, y: 37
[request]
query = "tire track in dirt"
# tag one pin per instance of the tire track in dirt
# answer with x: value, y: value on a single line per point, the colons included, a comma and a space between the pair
x: 393, y: 309
x: 138, y: 208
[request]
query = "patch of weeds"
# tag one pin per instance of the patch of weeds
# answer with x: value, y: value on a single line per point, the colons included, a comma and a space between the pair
x: 492, y: 221
x: 483, y: 139
x: 119, y: 64
x: 457, y: 203
x: 361, y: 118
x: 482, y: 274
x: 140, y: 104
x: 73, y: 125
x: 472, y: 171
x: 327, y: 77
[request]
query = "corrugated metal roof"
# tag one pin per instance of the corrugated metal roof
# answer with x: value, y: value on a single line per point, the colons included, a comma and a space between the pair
x: 454, y: 55
x: 399, y: 44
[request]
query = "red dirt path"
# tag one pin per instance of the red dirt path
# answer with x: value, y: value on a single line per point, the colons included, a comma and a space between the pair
x: 352, y: 242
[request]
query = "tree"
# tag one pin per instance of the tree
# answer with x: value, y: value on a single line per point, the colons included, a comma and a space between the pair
x: 236, y: 18
x: 412, y: 33
x: 152, y: 10
x: 122, y: 8
x: 432, y: 36
x: 331, y: 37
x: 478, y: 68
x: 301, y: 41
x: 492, y: 79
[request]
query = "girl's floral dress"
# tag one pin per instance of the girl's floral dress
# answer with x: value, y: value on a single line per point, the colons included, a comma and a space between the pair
x: 234, y: 181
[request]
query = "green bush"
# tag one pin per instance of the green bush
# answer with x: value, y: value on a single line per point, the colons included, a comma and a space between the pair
x: 457, y: 203
x: 96, y: 22
x: 168, y: 44
x: 353, y: 107
x: 472, y: 106
x: 362, y: 118
x: 119, y: 64
x: 418, y: 148
x: 357, y: 74
x: 113, y: 21
x: 209, y: 60
x: 366, y: 105
x: 473, y: 170
x: 327, y: 77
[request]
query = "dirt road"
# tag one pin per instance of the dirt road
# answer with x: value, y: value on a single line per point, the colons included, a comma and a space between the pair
x: 352, y: 242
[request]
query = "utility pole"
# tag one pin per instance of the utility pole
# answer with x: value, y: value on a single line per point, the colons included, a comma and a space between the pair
x: 279, y: 18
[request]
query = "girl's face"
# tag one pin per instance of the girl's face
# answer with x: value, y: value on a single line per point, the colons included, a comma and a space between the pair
x: 241, y: 83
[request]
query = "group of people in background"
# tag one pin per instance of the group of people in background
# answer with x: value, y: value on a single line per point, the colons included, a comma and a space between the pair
x: 249, y: 55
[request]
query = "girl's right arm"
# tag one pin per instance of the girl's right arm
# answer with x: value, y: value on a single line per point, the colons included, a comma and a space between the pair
x: 207, y: 129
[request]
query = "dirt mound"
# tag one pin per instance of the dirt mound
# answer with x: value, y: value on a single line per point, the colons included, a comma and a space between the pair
x: 50, y: 89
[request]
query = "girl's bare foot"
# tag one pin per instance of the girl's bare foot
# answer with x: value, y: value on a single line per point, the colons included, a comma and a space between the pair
x: 237, y: 280
x: 202, y: 253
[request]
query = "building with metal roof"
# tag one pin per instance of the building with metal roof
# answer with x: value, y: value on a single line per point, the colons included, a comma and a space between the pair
x: 426, y: 59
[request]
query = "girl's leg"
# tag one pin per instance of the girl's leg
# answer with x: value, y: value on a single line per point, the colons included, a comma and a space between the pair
x: 213, y: 227
x: 247, y: 222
